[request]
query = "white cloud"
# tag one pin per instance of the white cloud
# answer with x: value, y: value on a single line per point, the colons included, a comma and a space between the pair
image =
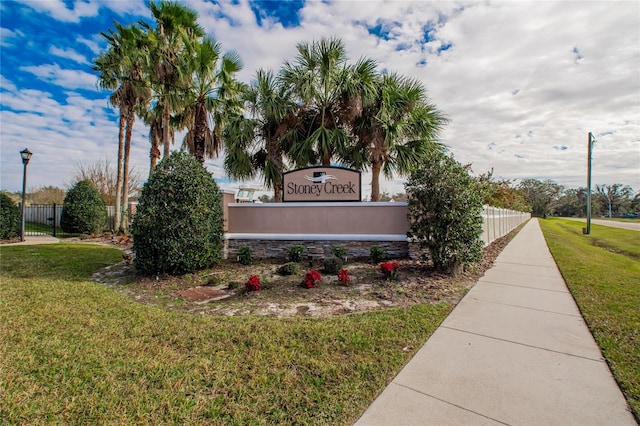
x: 67, y: 78
x: 68, y: 54
x: 58, y: 10
x: 7, y: 36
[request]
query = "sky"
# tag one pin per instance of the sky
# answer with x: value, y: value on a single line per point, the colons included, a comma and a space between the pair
x: 522, y: 83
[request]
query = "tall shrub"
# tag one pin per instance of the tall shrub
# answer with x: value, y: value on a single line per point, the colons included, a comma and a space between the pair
x: 84, y: 211
x: 445, y: 212
x: 9, y: 218
x: 177, y: 227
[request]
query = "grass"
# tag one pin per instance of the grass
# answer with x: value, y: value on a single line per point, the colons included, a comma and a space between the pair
x: 73, y: 351
x: 602, y: 271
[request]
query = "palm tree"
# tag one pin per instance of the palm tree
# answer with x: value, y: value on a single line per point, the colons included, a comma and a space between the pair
x: 330, y: 94
x: 256, y: 144
x: 396, y: 131
x: 121, y: 69
x: 212, y: 91
x: 174, y: 22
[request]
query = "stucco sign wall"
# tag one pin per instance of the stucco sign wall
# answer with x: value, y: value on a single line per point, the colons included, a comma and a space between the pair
x: 321, y: 184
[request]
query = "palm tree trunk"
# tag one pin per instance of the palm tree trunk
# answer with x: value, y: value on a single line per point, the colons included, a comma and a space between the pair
x: 119, y: 171
x: 375, y: 180
x: 200, y: 136
x: 156, y: 141
x: 165, y: 130
x: 124, y: 225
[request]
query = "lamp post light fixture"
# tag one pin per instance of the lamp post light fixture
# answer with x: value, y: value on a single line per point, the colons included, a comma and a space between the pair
x: 26, y: 156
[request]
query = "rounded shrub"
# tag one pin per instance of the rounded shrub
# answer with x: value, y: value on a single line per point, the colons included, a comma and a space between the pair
x: 177, y: 227
x: 445, y: 204
x: 332, y: 265
x: 84, y: 211
x: 9, y: 218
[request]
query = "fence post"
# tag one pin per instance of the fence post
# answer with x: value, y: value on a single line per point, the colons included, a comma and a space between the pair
x: 55, y: 219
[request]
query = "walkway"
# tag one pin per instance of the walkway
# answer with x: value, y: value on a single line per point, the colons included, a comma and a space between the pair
x: 634, y: 226
x: 514, y: 351
x: 36, y: 239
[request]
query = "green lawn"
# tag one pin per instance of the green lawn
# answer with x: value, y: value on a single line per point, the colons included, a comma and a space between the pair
x: 73, y: 351
x: 602, y: 271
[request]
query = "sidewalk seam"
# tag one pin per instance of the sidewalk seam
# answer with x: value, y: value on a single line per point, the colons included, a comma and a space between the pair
x: 481, y: 281
x: 527, y: 307
x: 450, y: 403
x: 524, y: 344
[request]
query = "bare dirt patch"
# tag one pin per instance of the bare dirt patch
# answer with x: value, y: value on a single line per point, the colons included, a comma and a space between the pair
x: 220, y: 290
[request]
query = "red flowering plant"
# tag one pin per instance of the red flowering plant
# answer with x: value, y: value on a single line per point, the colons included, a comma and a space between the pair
x: 390, y: 269
x: 343, y: 277
x: 310, y: 279
x: 253, y: 283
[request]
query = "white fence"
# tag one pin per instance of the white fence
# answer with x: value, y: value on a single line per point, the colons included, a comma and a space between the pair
x: 497, y: 222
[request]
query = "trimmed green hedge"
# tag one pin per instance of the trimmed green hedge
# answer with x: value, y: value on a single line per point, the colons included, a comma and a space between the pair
x: 84, y: 211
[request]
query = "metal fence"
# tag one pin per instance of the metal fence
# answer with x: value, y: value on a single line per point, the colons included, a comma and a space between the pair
x: 44, y: 219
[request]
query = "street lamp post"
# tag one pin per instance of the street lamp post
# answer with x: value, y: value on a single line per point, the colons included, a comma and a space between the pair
x: 26, y: 156
x: 591, y: 141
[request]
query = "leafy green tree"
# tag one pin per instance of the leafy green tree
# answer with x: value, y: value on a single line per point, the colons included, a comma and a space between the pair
x: 178, y: 224
x: 397, y: 129
x: 501, y: 193
x: 572, y: 202
x: 47, y: 195
x: 9, y: 218
x: 84, y: 211
x: 616, y: 198
x: 540, y: 195
x: 445, y: 212
x: 211, y: 93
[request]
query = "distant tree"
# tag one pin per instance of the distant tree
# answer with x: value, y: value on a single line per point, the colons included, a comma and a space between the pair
x: 572, y: 202
x: 617, y: 198
x: 47, y: 195
x: 102, y: 175
x: 501, y: 193
x: 540, y: 195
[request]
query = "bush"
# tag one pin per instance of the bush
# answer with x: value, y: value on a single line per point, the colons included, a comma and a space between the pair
x: 332, y: 265
x: 340, y: 252
x: 295, y: 253
x: 290, y: 268
x: 178, y: 224
x: 445, y: 213
x: 378, y: 254
x: 84, y: 211
x: 9, y: 218
x: 245, y: 255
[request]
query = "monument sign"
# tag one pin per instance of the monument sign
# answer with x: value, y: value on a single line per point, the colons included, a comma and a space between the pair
x: 321, y: 184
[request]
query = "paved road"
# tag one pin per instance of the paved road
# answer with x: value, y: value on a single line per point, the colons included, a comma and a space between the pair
x: 515, y: 351
x: 634, y: 226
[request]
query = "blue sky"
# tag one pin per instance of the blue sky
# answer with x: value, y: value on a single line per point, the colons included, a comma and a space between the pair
x: 522, y: 83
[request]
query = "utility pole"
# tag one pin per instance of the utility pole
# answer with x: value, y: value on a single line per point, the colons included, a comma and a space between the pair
x: 590, y: 143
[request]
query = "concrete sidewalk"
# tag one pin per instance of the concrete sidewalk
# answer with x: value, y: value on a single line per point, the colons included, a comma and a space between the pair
x: 514, y: 351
